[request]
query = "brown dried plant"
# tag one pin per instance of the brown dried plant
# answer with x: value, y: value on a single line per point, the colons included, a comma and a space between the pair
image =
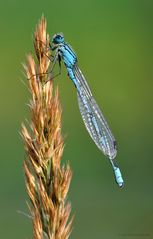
x: 47, y: 181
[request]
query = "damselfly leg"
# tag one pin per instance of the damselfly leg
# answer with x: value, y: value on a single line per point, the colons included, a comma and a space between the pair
x: 54, y: 60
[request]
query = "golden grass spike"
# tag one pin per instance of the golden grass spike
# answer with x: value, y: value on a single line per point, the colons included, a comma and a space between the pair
x: 47, y: 181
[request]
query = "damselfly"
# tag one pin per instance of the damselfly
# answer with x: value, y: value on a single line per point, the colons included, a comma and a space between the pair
x: 92, y: 116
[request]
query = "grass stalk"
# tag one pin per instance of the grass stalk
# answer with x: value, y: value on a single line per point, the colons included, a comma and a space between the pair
x: 47, y: 182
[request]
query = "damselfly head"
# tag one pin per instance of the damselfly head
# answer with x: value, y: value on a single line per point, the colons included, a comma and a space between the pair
x: 58, y: 38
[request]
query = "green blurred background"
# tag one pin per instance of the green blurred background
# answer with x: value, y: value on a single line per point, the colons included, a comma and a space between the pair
x: 114, y: 44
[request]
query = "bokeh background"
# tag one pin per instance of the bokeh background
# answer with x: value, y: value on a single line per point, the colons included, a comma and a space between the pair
x: 114, y: 44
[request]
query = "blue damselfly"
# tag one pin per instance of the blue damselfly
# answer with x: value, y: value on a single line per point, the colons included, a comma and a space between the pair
x: 92, y: 116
